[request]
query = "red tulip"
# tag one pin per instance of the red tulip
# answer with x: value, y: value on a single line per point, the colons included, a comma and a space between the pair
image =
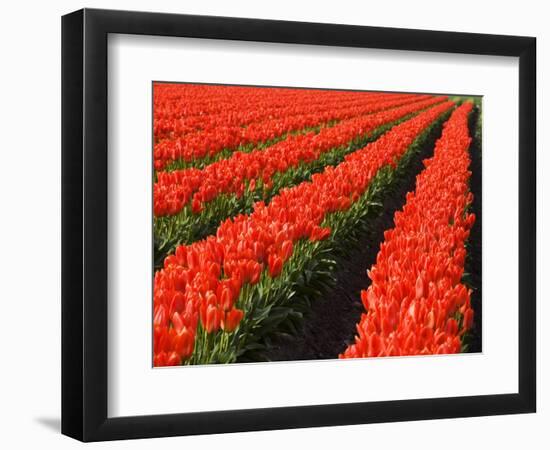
x: 173, y: 359
x: 275, y: 265
x: 177, y: 322
x: 196, y: 206
x: 226, y: 296
x: 213, y: 319
x: 365, y: 299
x: 184, y: 342
x: 254, y: 271
x: 178, y: 302
x: 319, y: 234
x: 468, y: 319
x: 286, y: 250
x: 160, y: 316
x: 232, y: 320
x: 420, y: 287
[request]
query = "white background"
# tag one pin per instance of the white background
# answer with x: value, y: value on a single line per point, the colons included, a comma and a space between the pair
x: 135, y: 389
x: 30, y: 332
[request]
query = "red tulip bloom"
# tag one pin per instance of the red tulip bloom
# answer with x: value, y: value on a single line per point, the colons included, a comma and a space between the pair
x: 173, y: 359
x: 225, y: 295
x: 286, y: 250
x: 160, y: 316
x: 421, y: 290
x: 196, y: 206
x: 275, y: 265
x: 232, y: 320
x: 254, y: 270
x: 468, y: 319
x: 178, y: 302
x: 319, y: 234
x: 212, y: 319
x: 159, y: 359
x: 177, y: 322
x: 184, y: 342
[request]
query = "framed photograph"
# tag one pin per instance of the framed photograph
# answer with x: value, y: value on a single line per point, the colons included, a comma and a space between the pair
x: 273, y: 224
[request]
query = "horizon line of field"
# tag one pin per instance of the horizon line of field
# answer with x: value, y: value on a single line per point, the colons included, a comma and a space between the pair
x: 309, y: 88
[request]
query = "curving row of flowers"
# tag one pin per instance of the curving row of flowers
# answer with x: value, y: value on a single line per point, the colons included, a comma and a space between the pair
x: 176, y: 189
x: 242, y: 110
x: 207, y: 294
x: 174, y: 101
x: 417, y: 303
x: 210, y: 142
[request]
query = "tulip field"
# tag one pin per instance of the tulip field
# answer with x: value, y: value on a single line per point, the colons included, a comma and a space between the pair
x: 294, y: 224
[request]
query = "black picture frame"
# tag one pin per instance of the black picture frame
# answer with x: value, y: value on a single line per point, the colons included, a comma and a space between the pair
x: 84, y: 224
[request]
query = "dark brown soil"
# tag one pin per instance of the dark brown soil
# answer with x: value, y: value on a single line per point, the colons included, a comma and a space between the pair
x: 330, y: 326
x: 473, y: 262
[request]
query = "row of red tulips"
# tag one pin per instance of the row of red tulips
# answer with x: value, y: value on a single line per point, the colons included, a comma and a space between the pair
x: 174, y: 190
x: 174, y: 101
x: 210, y: 142
x: 206, y: 298
x: 417, y: 303
x: 244, y: 110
